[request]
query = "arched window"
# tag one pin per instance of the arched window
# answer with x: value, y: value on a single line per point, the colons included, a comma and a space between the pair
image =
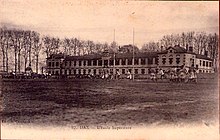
x: 171, y: 59
x: 177, y: 59
x: 164, y: 59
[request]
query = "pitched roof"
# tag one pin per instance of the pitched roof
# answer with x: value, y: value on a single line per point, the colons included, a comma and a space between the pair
x: 203, y: 57
x: 117, y: 55
x: 84, y: 57
x: 56, y: 56
x: 139, y: 55
x: 177, y: 49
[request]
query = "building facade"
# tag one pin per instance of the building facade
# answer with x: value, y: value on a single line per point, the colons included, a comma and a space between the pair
x: 138, y: 64
x: 177, y: 57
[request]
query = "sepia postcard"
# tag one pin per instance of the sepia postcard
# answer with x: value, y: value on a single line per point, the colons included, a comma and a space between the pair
x: 115, y: 70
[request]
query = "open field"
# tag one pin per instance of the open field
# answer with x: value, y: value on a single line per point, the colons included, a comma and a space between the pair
x: 123, y: 102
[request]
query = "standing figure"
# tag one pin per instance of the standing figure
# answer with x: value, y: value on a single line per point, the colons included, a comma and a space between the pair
x: 172, y: 75
x: 161, y: 74
x: 106, y: 74
x: 118, y: 74
x: 111, y: 75
x: 192, y: 75
x: 182, y: 75
x: 129, y: 75
x: 153, y: 75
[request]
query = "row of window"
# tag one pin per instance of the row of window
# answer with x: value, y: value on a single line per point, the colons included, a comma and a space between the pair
x: 170, y: 60
x: 56, y: 72
x: 163, y: 56
x: 53, y: 64
x: 205, y: 63
x: 97, y: 71
x: 205, y: 71
x: 123, y: 62
x: 136, y: 71
x: 110, y: 62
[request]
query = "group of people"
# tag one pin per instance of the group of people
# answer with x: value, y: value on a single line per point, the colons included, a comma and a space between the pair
x: 174, y: 75
x: 106, y: 74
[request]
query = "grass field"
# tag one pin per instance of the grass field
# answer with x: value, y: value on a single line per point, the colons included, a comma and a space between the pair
x: 86, y: 102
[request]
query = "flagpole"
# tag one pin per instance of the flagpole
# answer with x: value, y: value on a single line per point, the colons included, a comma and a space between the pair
x: 133, y: 56
x: 114, y: 35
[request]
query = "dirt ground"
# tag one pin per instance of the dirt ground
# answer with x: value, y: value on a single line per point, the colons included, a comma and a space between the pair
x: 99, y: 102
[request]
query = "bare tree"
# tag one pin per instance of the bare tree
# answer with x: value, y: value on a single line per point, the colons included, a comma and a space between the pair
x: 99, y: 48
x: 80, y: 48
x: 105, y: 46
x: 213, y: 48
x: 36, y: 49
x: 91, y: 47
x: 29, y: 45
x: 128, y: 49
x: 19, y: 47
x: 114, y: 47
x: 2, y: 43
x: 74, y: 46
x: 51, y: 45
x: 55, y: 45
x: 25, y: 50
x: 66, y: 46
x: 200, y: 42
x: 87, y: 47
x: 14, y: 44
x: 150, y: 47
x: 8, y: 38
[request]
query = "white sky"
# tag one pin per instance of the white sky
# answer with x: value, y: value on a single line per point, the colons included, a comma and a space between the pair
x: 97, y: 20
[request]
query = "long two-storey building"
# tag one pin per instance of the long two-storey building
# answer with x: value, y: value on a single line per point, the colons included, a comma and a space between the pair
x: 139, y: 63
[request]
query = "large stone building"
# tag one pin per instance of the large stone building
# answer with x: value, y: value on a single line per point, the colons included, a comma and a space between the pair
x: 175, y: 57
x: 140, y: 63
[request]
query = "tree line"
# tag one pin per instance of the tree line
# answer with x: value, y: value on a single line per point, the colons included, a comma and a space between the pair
x: 23, y: 48
x: 200, y: 41
x: 74, y: 46
x: 20, y: 45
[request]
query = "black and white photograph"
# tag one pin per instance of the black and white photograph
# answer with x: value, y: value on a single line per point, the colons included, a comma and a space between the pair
x: 109, y: 70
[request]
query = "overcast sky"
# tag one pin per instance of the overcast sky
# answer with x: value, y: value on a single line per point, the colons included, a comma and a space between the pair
x: 97, y: 20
